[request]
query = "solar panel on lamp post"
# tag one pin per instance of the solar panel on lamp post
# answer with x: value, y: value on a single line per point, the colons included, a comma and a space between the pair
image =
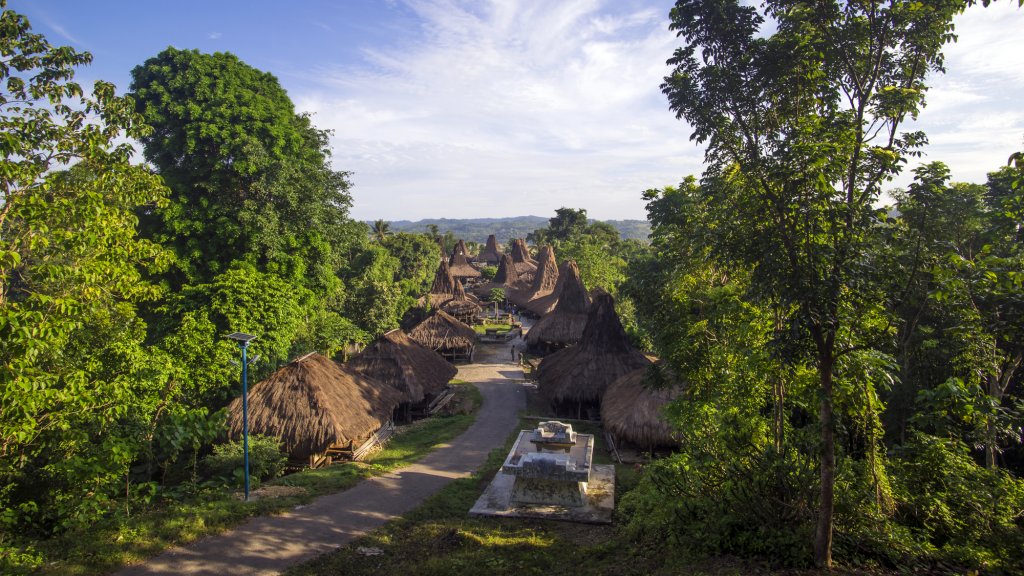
x: 243, y: 340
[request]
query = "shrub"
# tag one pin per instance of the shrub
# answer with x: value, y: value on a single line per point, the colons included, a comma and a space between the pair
x: 266, y: 460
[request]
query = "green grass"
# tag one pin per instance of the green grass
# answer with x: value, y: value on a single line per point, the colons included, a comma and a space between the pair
x: 107, y: 545
x: 501, y: 328
x: 440, y: 538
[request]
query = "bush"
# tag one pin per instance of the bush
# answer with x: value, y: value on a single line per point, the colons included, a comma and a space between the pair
x: 266, y: 460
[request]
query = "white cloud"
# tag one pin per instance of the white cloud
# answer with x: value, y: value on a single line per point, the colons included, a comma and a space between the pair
x: 214, y: 35
x: 509, y: 108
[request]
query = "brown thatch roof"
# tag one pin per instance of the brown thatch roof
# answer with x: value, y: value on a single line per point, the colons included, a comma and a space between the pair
x: 564, y: 324
x: 459, y: 263
x: 632, y: 410
x: 583, y: 372
x: 396, y: 359
x: 314, y: 402
x: 441, y: 331
x: 525, y: 266
x: 444, y: 282
x: 505, y: 278
x: 464, y: 309
x: 544, y: 281
x: 491, y: 254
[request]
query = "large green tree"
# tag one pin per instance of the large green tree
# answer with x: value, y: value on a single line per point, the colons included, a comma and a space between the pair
x: 250, y: 178
x: 800, y: 105
x: 76, y: 382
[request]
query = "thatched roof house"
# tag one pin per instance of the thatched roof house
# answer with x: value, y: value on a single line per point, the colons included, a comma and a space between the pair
x: 459, y: 263
x: 446, y: 335
x: 465, y: 309
x: 544, y: 281
x: 505, y: 278
x: 416, y: 371
x: 313, y: 404
x: 575, y: 379
x: 632, y: 410
x: 562, y: 326
x: 526, y: 267
x: 491, y: 254
x: 445, y: 287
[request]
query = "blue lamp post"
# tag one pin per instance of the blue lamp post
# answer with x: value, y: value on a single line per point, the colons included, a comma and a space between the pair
x: 243, y: 343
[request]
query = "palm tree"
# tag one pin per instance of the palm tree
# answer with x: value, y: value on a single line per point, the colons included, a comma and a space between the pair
x: 381, y: 230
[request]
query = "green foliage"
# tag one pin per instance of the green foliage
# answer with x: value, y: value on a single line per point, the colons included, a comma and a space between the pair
x: 250, y: 178
x: 77, y: 387
x: 227, y: 462
x: 375, y: 302
x: 496, y: 295
x: 487, y: 273
x: 417, y: 262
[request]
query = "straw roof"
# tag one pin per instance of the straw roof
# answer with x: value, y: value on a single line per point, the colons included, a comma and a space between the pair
x: 459, y: 264
x: 525, y: 266
x: 444, y: 282
x: 314, y: 402
x: 583, y: 372
x: 395, y: 359
x: 505, y: 278
x: 441, y: 331
x: 544, y: 281
x: 564, y: 324
x: 464, y: 309
x: 491, y: 254
x: 632, y: 410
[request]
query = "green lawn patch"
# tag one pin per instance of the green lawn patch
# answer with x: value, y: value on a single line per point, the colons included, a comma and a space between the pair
x: 108, y: 545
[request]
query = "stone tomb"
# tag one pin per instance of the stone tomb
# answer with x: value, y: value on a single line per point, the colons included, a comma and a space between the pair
x: 549, y: 473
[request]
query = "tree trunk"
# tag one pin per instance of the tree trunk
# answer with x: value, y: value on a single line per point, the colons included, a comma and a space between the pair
x: 823, y: 533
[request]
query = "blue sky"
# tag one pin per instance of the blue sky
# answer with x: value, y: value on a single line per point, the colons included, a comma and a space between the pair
x: 460, y: 109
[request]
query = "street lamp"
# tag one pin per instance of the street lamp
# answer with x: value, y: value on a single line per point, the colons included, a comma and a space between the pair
x: 243, y: 343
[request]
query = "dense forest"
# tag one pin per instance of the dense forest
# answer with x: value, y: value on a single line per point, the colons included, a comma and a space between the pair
x: 849, y: 371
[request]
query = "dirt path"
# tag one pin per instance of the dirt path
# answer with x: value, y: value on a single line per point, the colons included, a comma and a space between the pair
x: 270, y: 544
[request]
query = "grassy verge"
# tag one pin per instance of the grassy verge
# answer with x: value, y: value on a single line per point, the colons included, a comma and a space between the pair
x: 440, y: 538
x: 105, y: 546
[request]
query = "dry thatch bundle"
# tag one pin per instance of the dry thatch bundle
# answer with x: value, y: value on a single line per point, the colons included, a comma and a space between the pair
x: 542, y: 304
x: 459, y: 263
x: 313, y: 403
x: 446, y: 335
x: 395, y: 359
x: 544, y: 281
x: 562, y: 326
x: 444, y: 282
x: 581, y: 373
x: 491, y: 254
x: 632, y: 410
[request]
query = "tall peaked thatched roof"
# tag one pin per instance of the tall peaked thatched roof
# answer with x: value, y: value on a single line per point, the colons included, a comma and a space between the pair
x: 314, y: 402
x: 460, y: 265
x: 441, y: 331
x: 542, y: 304
x: 525, y: 266
x: 505, y: 278
x: 491, y: 254
x: 544, y: 281
x: 444, y: 282
x: 564, y: 324
x: 582, y: 372
x: 632, y: 410
x: 395, y: 359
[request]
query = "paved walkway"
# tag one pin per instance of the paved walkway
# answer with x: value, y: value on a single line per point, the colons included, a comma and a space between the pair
x: 270, y: 544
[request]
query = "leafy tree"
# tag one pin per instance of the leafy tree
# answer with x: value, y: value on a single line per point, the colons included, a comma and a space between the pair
x: 802, y: 131
x: 375, y: 302
x: 250, y: 178
x: 380, y: 230
x: 417, y: 261
x: 76, y: 383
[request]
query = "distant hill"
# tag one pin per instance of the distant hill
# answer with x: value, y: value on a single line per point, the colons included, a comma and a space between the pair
x: 477, y: 229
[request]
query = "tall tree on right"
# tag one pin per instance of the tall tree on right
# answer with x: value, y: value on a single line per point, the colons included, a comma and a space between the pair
x: 800, y: 105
